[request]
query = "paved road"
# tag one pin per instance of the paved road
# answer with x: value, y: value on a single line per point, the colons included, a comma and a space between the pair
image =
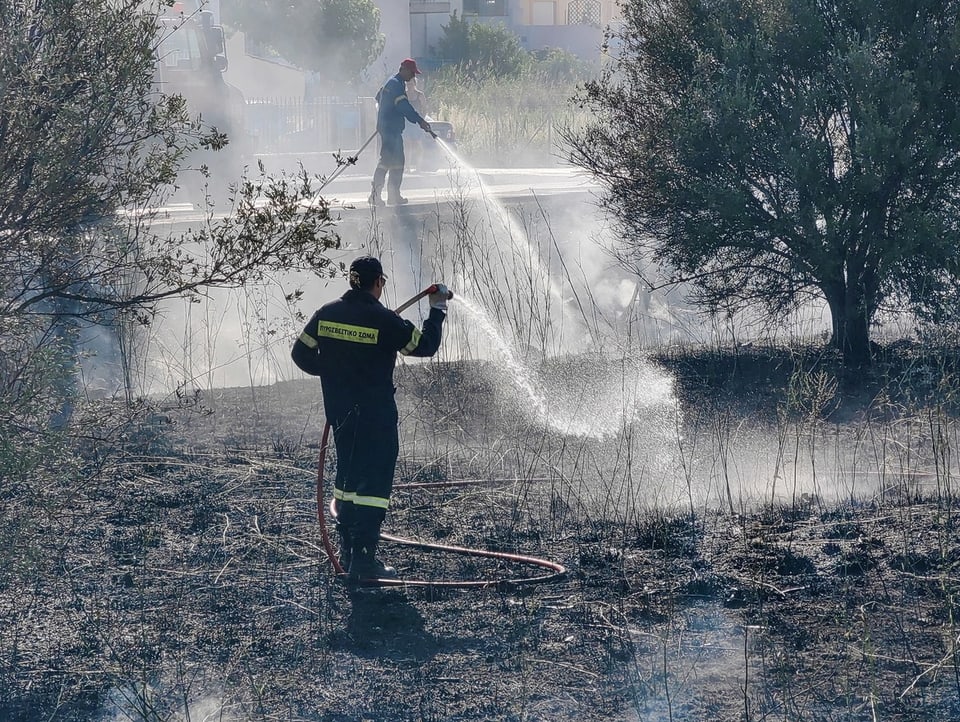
x: 458, y: 182
x: 348, y: 193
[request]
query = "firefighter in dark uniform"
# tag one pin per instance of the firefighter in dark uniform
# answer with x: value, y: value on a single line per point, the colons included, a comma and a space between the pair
x: 393, y: 111
x: 352, y: 345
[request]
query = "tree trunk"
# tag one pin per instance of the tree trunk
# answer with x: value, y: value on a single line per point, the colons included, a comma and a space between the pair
x: 850, y: 317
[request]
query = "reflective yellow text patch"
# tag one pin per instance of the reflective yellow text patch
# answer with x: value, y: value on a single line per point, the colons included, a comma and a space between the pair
x: 346, y: 332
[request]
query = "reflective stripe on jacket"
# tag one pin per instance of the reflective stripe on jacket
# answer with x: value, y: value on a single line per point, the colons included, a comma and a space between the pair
x: 393, y: 107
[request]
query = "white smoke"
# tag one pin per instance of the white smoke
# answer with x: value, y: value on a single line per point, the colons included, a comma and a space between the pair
x: 139, y: 702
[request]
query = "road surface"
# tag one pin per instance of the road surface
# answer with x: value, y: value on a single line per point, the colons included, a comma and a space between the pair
x: 347, y: 194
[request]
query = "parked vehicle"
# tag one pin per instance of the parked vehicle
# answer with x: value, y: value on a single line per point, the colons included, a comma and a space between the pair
x: 191, y: 59
x: 432, y: 156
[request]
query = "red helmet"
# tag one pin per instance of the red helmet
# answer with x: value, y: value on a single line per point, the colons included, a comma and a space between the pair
x: 412, y: 64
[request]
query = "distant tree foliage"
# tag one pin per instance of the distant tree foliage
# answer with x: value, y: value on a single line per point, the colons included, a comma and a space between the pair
x: 89, y: 149
x: 766, y: 150
x: 561, y: 66
x: 479, y: 49
x: 338, y: 38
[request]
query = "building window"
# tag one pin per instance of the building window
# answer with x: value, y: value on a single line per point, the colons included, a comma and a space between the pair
x: 485, y: 8
x: 583, y: 12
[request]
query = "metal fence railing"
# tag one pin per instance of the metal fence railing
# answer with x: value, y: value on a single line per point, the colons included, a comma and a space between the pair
x: 292, y: 125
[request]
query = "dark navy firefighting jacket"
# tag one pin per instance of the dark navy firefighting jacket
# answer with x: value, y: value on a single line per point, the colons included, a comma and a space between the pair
x: 394, y: 108
x: 352, y: 345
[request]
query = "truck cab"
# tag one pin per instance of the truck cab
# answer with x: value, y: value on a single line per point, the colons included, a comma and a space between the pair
x: 191, y: 59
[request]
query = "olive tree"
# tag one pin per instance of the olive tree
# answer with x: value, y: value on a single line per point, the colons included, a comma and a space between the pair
x: 767, y: 150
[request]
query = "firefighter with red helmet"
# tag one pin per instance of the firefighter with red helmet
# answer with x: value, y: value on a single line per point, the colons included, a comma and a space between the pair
x: 393, y: 111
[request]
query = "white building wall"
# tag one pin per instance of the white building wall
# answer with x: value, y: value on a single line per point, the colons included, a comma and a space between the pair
x: 427, y: 20
x: 257, y: 78
x: 395, y: 25
x: 581, y: 40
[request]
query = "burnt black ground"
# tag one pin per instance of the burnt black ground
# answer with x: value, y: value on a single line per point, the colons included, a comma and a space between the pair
x: 185, y: 578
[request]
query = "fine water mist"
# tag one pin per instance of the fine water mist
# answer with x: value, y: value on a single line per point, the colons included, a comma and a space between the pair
x: 500, y: 246
x: 596, y: 401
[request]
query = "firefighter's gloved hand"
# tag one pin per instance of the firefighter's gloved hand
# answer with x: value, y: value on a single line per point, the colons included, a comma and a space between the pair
x: 426, y: 127
x: 439, y: 298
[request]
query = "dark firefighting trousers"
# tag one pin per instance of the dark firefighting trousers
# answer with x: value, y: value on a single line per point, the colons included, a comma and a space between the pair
x: 367, y: 444
x: 391, y: 161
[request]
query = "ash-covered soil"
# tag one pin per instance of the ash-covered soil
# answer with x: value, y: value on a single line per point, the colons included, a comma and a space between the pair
x: 186, y: 580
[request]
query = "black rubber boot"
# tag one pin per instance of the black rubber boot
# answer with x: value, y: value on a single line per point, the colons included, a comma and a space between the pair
x: 343, y: 518
x: 364, y: 564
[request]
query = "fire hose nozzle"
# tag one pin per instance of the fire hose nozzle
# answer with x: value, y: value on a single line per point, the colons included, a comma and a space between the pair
x: 433, y: 289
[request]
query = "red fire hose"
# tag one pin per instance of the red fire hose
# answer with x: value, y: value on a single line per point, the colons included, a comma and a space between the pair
x: 554, y: 571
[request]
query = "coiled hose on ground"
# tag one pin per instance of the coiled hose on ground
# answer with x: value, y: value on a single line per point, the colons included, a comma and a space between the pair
x: 554, y: 571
